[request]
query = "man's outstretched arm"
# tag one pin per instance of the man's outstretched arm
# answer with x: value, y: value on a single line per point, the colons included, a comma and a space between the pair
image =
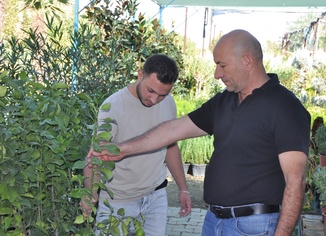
x: 160, y: 136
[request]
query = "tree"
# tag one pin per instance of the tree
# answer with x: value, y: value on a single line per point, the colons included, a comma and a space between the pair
x: 19, y: 15
x: 3, y: 5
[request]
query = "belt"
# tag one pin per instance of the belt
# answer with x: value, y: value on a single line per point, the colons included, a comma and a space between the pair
x: 162, y: 185
x: 239, y: 211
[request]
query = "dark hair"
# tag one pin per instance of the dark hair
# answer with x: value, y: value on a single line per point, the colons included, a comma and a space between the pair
x: 164, y: 66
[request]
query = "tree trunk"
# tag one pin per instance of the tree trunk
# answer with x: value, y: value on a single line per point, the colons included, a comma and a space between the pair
x: 3, y: 5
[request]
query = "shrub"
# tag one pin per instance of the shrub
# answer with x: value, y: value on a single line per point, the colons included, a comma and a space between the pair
x: 320, y: 183
x: 196, y: 150
x: 320, y: 140
x: 45, y: 129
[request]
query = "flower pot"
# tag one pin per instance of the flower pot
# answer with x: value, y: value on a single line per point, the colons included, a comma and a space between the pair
x: 322, y: 160
x: 186, y: 168
x: 198, y: 169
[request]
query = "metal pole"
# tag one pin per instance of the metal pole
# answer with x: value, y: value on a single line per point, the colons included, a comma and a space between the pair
x: 74, y: 59
x: 185, y: 35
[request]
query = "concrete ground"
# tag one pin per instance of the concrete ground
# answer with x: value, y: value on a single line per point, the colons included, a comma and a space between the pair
x: 185, y: 226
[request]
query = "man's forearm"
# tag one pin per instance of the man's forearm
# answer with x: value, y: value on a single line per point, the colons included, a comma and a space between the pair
x: 291, y: 209
x: 175, y: 165
x: 91, y: 176
x: 161, y: 136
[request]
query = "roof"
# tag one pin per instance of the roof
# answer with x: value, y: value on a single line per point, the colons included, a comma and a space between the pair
x: 243, y: 3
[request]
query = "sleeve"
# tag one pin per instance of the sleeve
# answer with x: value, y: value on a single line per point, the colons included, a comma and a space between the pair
x: 203, y: 117
x: 292, y: 129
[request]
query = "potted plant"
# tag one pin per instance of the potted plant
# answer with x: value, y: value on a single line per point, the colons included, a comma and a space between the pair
x: 320, y: 141
x: 197, y: 151
x: 319, y: 179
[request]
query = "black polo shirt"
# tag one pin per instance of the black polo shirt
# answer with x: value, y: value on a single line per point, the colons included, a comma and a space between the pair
x: 244, y: 167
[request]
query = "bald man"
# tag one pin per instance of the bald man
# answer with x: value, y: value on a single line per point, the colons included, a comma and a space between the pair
x: 255, y: 180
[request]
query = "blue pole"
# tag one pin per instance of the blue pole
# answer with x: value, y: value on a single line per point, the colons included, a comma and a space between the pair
x: 74, y: 70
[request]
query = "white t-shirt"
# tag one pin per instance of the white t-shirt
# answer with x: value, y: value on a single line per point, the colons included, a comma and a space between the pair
x: 136, y: 176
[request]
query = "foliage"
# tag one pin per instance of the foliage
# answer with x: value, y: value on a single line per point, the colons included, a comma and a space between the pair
x: 302, y: 32
x: 198, y: 75
x: 97, y: 62
x: 104, y: 170
x: 44, y: 4
x: 117, y: 45
x: 320, y: 139
x: 186, y: 104
x: 320, y: 183
x: 23, y: 14
x: 312, y: 164
x: 196, y: 150
x: 45, y: 129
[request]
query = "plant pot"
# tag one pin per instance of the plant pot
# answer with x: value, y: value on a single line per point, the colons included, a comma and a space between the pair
x: 322, y: 160
x: 186, y: 168
x: 198, y: 169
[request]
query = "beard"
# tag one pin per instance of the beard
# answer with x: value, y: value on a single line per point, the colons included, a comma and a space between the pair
x: 140, y: 97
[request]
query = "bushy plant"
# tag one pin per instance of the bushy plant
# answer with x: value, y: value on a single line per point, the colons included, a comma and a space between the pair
x: 113, y: 224
x: 196, y: 150
x: 320, y: 139
x: 320, y: 183
x: 45, y: 129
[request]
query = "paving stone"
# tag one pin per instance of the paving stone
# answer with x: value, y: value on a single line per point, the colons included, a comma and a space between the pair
x: 190, y: 225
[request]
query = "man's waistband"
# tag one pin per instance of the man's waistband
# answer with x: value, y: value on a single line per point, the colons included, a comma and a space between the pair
x: 162, y: 185
x: 239, y: 211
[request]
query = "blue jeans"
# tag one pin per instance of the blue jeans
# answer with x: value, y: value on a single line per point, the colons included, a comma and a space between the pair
x: 152, y: 207
x: 263, y: 224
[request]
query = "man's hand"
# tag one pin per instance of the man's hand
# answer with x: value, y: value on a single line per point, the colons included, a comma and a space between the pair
x: 104, y: 155
x: 87, y: 204
x: 185, y: 203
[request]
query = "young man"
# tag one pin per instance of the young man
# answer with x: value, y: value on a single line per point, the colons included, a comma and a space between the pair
x: 255, y: 180
x: 139, y: 181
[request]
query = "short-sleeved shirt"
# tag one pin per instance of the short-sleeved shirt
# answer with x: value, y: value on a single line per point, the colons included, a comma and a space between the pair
x: 248, y: 137
x: 137, y: 176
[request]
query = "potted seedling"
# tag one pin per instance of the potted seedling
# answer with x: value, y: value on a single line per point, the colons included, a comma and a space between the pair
x: 320, y: 141
x: 319, y: 179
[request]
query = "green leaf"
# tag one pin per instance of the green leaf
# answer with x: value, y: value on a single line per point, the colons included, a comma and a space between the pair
x: 109, y: 120
x: 75, y: 120
x: 79, y: 165
x: 83, y: 96
x: 79, y: 219
x: 77, y: 193
x: 106, y: 136
x: 37, y: 85
x: 106, y: 106
x: 110, y: 165
x: 97, y: 147
x: 111, y: 148
x: 121, y: 212
x: 6, y: 211
x: 96, y: 161
x: 3, y: 91
x: 108, y: 173
x: 23, y: 75
x: 124, y: 228
x: 60, y: 86
x: 3, y: 74
x: 105, y: 127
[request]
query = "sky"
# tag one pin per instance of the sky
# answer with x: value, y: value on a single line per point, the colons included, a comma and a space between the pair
x: 264, y: 23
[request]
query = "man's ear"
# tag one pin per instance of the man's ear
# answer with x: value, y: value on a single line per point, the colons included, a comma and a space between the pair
x: 140, y: 74
x: 247, y: 61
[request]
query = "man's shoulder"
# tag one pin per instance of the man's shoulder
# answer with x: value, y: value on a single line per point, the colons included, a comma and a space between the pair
x: 116, y: 97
